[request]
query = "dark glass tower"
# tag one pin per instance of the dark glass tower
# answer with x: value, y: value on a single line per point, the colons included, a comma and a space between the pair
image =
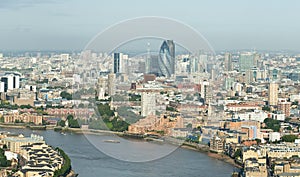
x: 117, y: 61
x: 166, y: 59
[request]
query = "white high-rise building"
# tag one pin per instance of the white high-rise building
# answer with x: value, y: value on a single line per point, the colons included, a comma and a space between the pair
x: 204, y: 90
x: 148, y: 103
x: 1, y: 87
x: 10, y: 82
x: 16, y: 81
x: 111, y: 84
x: 101, y: 87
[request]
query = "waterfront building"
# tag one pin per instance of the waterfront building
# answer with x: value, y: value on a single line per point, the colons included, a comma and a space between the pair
x: 151, y: 124
x: 24, y: 117
x: 14, y: 143
x: 217, y: 144
x: 40, y: 160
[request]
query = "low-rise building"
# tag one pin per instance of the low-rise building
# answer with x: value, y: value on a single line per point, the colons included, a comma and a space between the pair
x: 24, y: 117
x: 14, y: 143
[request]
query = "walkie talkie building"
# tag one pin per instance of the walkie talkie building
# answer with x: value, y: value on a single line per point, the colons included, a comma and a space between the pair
x: 166, y: 59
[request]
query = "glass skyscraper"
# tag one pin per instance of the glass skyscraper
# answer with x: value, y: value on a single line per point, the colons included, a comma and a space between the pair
x: 246, y: 62
x: 166, y: 59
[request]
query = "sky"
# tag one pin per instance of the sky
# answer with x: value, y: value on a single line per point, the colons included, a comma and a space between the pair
x: 227, y: 25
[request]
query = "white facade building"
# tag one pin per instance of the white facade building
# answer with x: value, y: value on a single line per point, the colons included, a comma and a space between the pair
x: 274, y: 136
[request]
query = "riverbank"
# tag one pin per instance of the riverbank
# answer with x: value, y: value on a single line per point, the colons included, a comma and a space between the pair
x: 205, y: 149
x: 202, y: 148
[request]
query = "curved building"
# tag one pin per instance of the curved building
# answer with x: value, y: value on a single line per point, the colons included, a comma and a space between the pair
x: 166, y: 59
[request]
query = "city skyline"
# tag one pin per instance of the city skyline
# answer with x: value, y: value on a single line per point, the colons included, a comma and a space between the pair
x: 71, y: 25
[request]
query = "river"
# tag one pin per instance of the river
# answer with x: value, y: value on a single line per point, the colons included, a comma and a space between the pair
x: 88, y: 161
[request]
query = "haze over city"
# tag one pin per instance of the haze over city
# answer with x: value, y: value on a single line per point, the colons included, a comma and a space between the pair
x: 227, y: 25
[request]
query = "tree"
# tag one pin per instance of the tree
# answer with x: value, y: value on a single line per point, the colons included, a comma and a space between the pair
x: 73, y: 123
x: 3, y: 161
x: 266, y: 108
x: 81, y: 105
x: 104, y: 109
x: 289, y: 128
x: 66, y: 95
x: 258, y: 141
x: 189, y: 125
x: 289, y: 138
x: 61, y: 123
x: 237, y: 154
x: 169, y: 108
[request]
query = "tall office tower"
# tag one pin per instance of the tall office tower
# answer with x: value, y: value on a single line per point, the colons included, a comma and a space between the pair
x: 166, y: 59
x: 111, y: 84
x: 249, y: 76
x: 203, y: 60
x: 154, y: 67
x: 246, y: 61
x: 117, y: 62
x: 228, y: 62
x: 1, y: 87
x: 194, y: 65
x: 273, y: 94
x: 148, y: 61
x: 204, y: 91
x: 257, y: 59
x: 16, y: 81
x: 101, y: 87
x: 120, y: 63
x: 148, y: 103
x: 8, y: 82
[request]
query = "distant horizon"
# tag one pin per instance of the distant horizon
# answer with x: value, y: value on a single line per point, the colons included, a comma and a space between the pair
x: 28, y: 25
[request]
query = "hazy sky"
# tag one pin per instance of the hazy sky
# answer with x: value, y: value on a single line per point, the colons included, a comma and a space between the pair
x: 70, y: 24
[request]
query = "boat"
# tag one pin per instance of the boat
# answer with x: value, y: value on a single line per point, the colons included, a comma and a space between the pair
x: 111, y: 141
x: 63, y: 133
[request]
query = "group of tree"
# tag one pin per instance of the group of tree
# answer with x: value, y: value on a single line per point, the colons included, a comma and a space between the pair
x: 170, y: 108
x: 134, y: 97
x: 237, y: 154
x: 66, y: 167
x: 104, y: 109
x: 3, y: 161
x: 108, y: 120
x: 272, y: 124
x: 72, y: 123
x: 289, y: 138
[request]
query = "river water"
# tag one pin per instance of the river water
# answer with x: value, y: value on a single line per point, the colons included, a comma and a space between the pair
x: 89, y: 161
